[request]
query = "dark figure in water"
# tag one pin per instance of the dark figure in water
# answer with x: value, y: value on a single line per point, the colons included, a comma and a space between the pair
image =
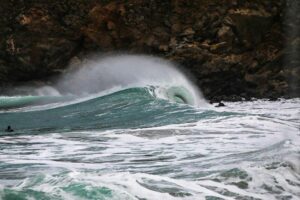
x: 220, y: 104
x: 9, y: 129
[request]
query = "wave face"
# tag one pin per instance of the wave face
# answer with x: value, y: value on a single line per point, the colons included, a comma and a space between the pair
x: 98, y: 77
x: 129, y: 108
x: 146, y: 140
x: 127, y: 71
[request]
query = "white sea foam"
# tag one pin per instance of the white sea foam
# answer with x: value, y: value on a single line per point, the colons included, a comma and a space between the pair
x: 253, y: 153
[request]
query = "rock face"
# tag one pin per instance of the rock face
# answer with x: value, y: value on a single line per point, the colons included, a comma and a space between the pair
x: 234, y: 48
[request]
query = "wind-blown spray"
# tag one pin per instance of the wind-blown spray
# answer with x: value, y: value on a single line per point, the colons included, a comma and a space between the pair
x: 127, y: 71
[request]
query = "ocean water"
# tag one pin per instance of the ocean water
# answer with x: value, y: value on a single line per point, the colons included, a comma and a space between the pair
x: 147, y: 143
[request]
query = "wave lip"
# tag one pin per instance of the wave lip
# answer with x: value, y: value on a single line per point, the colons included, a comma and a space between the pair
x: 128, y: 71
x: 129, y: 108
x: 114, y: 73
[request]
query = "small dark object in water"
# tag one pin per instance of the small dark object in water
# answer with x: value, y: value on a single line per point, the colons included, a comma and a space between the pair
x: 220, y: 104
x: 273, y: 99
x: 9, y: 129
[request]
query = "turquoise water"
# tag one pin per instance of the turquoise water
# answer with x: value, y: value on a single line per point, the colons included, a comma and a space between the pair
x: 131, y: 144
x: 135, y: 127
x: 130, y: 108
x: 21, y: 101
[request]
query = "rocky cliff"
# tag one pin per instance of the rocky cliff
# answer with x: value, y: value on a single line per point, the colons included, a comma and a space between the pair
x: 234, y: 48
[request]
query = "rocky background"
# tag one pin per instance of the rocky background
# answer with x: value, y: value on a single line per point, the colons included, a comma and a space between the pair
x: 234, y: 48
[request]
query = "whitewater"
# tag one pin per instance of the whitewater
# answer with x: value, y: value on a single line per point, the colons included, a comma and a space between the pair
x: 135, y: 127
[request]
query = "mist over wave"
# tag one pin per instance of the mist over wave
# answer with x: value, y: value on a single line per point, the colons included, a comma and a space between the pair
x: 125, y: 71
x: 105, y: 75
x: 111, y: 130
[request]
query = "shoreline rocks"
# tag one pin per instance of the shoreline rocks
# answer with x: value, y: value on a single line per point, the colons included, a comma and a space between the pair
x: 234, y: 49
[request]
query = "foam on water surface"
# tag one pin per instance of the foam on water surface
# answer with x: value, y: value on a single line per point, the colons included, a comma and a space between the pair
x: 145, y: 132
x: 250, y: 153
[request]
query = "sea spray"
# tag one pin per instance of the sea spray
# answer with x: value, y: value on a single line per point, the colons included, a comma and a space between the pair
x: 124, y: 139
x: 106, y: 75
x: 131, y: 145
x: 127, y: 71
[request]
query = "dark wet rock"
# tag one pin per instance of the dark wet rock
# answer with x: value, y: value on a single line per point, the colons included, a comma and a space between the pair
x: 220, y: 104
x: 235, y: 49
x: 272, y: 98
x: 249, y: 25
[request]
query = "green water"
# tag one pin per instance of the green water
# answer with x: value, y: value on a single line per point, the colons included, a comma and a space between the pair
x: 130, y: 144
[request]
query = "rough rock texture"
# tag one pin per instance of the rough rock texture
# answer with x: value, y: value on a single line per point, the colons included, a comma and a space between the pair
x: 234, y: 48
